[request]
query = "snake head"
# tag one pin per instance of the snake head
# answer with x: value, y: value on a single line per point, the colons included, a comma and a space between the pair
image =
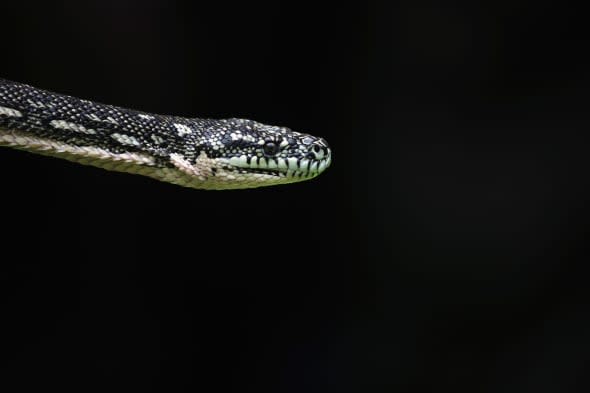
x: 252, y: 154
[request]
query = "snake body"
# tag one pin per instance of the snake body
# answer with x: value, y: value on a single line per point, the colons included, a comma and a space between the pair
x: 191, y: 152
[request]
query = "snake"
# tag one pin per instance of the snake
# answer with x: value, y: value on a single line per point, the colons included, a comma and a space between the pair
x: 200, y: 153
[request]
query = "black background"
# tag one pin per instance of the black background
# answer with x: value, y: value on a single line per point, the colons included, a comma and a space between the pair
x: 444, y: 250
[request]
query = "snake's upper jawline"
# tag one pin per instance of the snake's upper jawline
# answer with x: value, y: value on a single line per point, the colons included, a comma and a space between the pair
x: 283, y: 172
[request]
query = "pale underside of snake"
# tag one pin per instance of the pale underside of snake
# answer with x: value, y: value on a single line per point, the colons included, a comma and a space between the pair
x: 191, y: 152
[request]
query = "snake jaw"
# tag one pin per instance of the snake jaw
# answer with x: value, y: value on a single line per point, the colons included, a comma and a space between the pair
x: 288, y: 167
x: 274, y: 171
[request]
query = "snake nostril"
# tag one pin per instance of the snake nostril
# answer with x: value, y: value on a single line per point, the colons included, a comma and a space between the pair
x: 316, y: 148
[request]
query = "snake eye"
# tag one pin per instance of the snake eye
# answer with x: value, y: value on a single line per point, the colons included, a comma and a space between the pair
x: 270, y: 148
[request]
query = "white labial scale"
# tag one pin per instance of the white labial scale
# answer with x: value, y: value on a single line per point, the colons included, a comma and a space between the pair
x: 272, y: 163
x: 292, y: 162
x: 236, y: 161
x: 282, y: 163
x: 241, y: 161
x: 303, y: 164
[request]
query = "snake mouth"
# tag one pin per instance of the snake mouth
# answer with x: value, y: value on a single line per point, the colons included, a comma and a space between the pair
x: 284, y: 167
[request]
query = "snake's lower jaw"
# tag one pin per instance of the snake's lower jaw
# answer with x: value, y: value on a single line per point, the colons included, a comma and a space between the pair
x: 285, y: 169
